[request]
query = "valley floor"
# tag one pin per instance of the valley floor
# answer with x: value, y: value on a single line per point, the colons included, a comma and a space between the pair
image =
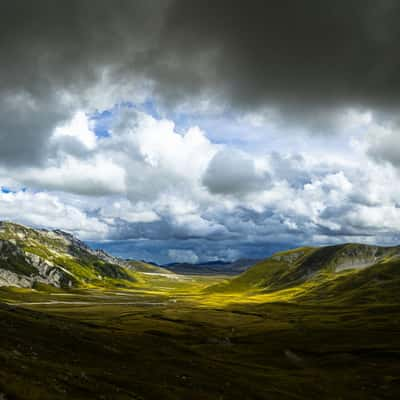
x: 177, y: 344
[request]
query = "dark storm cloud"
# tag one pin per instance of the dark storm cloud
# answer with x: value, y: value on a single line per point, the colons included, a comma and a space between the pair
x: 306, y: 58
x: 304, y: 52
x: 64, y: 43
x: 25, y: 124
x: 206, y: 250
x: 304, y: 55
x: 51, y: 52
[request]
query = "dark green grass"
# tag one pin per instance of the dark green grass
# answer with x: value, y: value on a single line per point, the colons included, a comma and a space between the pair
x: 157, y: 348
x: 379, y: 283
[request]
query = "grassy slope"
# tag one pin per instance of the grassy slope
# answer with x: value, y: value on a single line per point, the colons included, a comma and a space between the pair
x: 265, y: 274
x: 173, y: 344
x: 141, y: 266
x: 87, y: 269
x: 378, y: 283
x: 312, y: 273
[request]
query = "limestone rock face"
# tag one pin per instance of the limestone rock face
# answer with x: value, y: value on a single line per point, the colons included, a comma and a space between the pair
x: 48, y: 272
x: 8, y: 278
x: 289, y: 258
x: 23, y: 269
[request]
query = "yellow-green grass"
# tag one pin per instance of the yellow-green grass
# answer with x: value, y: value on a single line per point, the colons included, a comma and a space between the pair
x: 180, y: 342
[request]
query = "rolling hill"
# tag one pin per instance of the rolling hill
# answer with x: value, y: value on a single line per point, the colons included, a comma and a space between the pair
x: 351, y: 271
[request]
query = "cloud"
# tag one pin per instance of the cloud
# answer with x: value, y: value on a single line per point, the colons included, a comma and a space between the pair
x: 96, y: 176
x: 26, y: 125
x: 56, y: 57
x: 123, y: 209
x: 46, y: 210
x: 383, y: 144
x: 304, y: 62
x: 231, y: 172
x: 143, y: 158
x: 160, y: 182
x: 150, y: 187
x: 183, y: 256
x: 75, y: 136
x: 308, y: 59
x: 157, y: 159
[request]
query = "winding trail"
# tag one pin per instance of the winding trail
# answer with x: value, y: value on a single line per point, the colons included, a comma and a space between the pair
x: 88, y: 303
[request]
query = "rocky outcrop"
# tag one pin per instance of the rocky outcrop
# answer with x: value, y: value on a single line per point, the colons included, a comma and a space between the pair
x: 76, y: 247
x: 9, y: 278
x: 355, y: 256
x: 23, y: 269
x: 289, y: 257
x: 49, y: 273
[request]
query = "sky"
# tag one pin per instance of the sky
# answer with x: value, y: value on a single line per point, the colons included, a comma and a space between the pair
x: 192, y: 131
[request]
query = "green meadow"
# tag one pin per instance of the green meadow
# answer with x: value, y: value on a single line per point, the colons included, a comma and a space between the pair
x: 185, y: 338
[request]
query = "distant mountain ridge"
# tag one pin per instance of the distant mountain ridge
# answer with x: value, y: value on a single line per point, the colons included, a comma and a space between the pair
x: 212, y: 267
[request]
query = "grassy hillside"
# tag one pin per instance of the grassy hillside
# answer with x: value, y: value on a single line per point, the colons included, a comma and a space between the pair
x: 337, y: 272
x: 59, y: 259
x: 266, y: 273
x: 379, y: 283
x: 141, y: 266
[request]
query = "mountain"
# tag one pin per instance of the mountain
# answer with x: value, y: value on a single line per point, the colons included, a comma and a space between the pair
x: 30, y: 257
x: 212, y: 267
x: 348, y: 272
x: 351, y: 271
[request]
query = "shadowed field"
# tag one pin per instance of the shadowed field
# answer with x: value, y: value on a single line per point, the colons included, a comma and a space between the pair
x: 176, y: 344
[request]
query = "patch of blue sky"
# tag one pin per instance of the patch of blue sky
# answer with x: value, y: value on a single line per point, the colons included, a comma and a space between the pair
x: 225, y: 128
x: 6, y: 190
x: 102, y: 120
x: 150, y: 108
x: 259, y: 138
